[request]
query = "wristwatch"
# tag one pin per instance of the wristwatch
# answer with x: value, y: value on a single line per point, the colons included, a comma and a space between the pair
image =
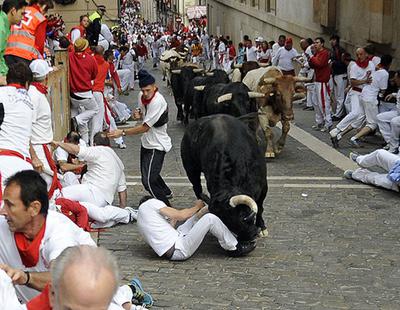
x: 123, y: 133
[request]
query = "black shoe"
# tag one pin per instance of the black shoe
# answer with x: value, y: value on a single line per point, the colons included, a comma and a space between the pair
x: 335, y: 142
x: 308, y: 109
x: 74, y: 124
x: 242, y: 248
x: 336, y: 118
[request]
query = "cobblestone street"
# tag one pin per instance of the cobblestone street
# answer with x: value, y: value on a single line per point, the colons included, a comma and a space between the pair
x: 332, y: 244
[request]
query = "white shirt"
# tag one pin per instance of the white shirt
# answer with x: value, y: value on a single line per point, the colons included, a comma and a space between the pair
x: 261, y: 55
x: 60, y: 233
x: 379, y: 82
x: 155, y: 229
x: 75, y: 35
x: 104, y: 170
x: 275, y: 48
x: 283, y: 59
x: 16, y: 124
x: 358, y: 73
x: 251, y: 53
x: 42, y: 131
x: 62, y: 155
x: 155, y: 138
x: 221, y: 48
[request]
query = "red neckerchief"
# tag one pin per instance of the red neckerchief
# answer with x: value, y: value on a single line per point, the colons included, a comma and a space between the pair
x: 147, y: 101
x: 17, y: 86
x: 41, y: 301
x: 362, y: 64
x: 29, y: 251
x: 40, y: 87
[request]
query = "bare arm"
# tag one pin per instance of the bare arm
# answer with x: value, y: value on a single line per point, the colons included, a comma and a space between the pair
x: 123, y: 198
x: 129, y: 131
x: 68, y: 147
x: 36, y: 162
x: 36, y: 280
x: 64, y: 166
x: 183, y: 214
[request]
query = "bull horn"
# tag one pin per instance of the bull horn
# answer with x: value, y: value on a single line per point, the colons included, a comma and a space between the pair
x: 253, y: 94
x: 198, y: 70
x: 263, y: 64
x: 298, y: 96
x: 200, y: 87
x: 237, y: 66
x: 178, y: 71
x: 269, y: 80
x: 243, y: 199
x: 210, y: 73
x: 301, y: 79
x: 225, y: 97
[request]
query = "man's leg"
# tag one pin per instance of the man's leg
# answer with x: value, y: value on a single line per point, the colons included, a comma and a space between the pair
x: 186, y: 245
x: 379, y: 158
x: 374, y: 178
x: 106, y: 216
x: 124, y: 77
x: 151, y: 162
x: 354, y: 113
x: 395, y: 133
x: 339, y: 86
x: 326, y: 107
x: 96, y: 124
x: 384, y: 120
x: 319, y: 115
x: 84, y: 192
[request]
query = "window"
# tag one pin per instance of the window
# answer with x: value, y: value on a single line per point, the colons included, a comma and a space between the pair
x: 254, y: 3
x: 271, y: 6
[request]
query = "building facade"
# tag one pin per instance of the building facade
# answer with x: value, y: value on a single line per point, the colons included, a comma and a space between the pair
x: 72, y: 12
x: 358, y: 22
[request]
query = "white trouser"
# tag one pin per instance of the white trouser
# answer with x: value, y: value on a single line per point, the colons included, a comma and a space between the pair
x: 323, y: 104
x: 347, y: 102
x: 140, y: 63
x: 389, y: 125
x: 120, y: 109
x: 10, y: 165
x: 69, y: 178
x: 84, y: 192
x: 311, y: 95
x: 355, y: 112
x: 340, y: 82
x: 9, y: 299
x: 83, y: 111
x: 193, y: 231
x: 131, y: 68
x: 371, y: 112
x: 42, y: 157
x: 106, y: 216
x: 382, y: 159
x: 124, y: 76
x: 96, y: 124
x: 113, y: 126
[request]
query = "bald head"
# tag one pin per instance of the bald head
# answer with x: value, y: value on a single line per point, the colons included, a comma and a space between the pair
x: 99, y: 50
x: 83, y: 277
x: 303, y: 44
x: 361, y: 54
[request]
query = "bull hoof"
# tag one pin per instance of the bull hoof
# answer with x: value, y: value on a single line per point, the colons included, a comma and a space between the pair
x: 263, y: 233
x: 269, y: 154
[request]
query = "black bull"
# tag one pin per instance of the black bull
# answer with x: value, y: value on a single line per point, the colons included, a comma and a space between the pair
x: 226, y: 151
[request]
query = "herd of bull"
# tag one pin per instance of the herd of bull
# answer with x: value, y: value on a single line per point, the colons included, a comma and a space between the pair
x: 232, y: 134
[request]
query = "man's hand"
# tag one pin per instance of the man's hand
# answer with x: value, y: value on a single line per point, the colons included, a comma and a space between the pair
x: 137, y: 114
x: 17, y: 276
x: 3, y: 80
x: 54, y: 144
x: 115, y: 134
x: 37, y: 164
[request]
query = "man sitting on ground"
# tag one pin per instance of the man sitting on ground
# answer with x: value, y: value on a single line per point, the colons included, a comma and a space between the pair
x: 157, y: 221
x: 104, y: 176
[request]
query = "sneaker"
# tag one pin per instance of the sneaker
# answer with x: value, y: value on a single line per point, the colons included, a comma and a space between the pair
x: 317, y: 126
x: 326, y: 128
x: 133, y: 214
x: 121, y: 145
x: 242, y: 249
x: 335, y: 142
x: 334, y: 132
x: 386, y: 147
x: 170, y: 196
x: 355, y: 142
x: 353, y: 156
x: 348, y: 174
x: 139, y: 294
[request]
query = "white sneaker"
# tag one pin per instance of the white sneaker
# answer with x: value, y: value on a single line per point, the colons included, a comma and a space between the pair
x: 133, y: 214
x: 121, y: 145
x: 334, y: 132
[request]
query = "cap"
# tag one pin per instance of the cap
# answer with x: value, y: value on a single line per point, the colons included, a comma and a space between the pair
x: 81, y: 44
x: 40, y: 68
x: 145, y: 78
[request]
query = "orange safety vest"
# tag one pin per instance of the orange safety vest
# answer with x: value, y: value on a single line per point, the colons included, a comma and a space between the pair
x: 21, y: 41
